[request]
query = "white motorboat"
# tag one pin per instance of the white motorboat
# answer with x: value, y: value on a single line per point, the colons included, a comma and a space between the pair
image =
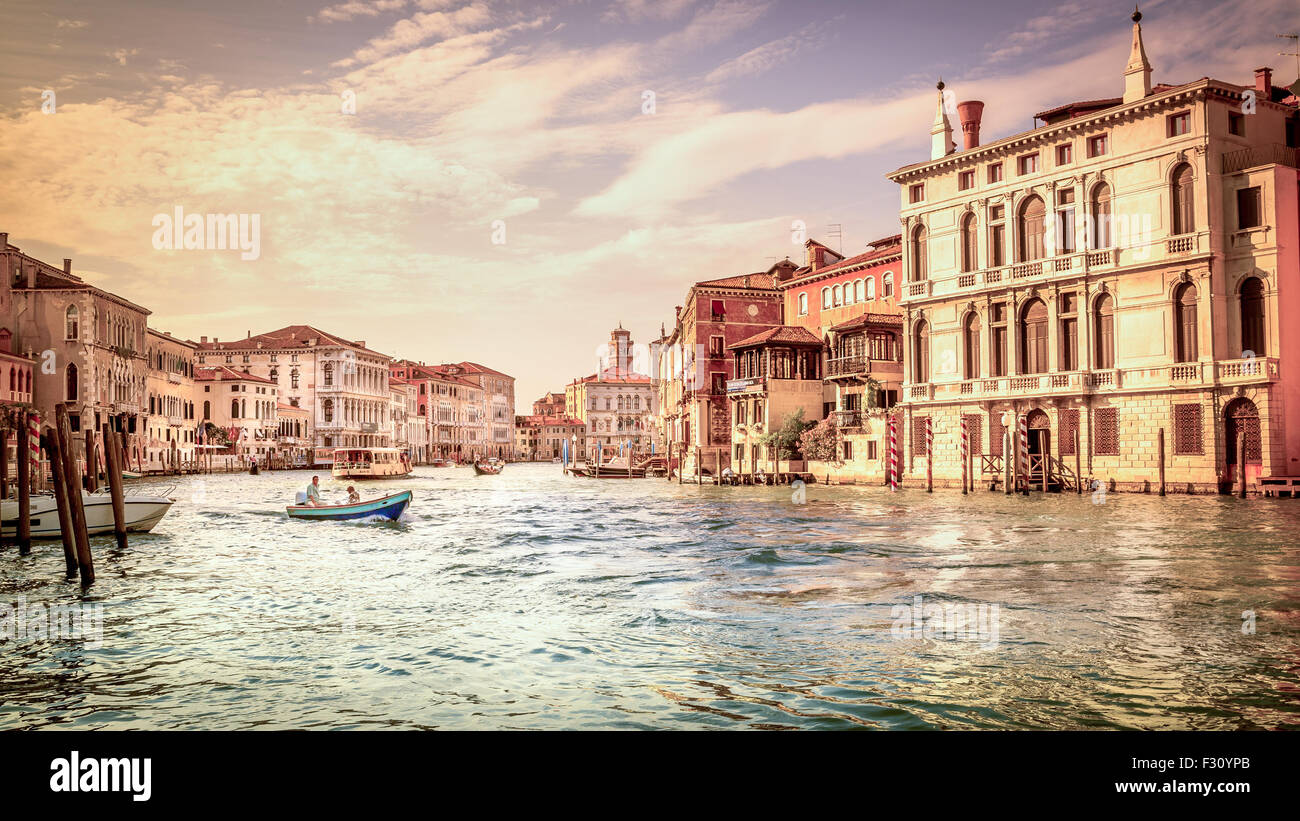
x: 143, y: 511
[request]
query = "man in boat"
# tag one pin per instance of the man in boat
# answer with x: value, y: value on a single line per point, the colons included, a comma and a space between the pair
x: 313, y: 492
x: 353, y: 496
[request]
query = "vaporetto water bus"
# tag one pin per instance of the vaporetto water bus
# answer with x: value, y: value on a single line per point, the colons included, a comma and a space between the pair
x: 370, y: 463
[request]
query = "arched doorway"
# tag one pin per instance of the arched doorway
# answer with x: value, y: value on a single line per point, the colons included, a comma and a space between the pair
x: 1040, y: 432
x: 1241, y: 417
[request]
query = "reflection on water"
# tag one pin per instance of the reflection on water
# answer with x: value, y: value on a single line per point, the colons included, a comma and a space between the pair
x: 531, y: 600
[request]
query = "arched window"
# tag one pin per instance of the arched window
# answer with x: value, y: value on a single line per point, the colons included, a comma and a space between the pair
x: 1033, y: 337
x: 1184, y: 217
x: 1185, y: 311
x: 888, y: 289
x: 72, y: 391
x: 207, y: 410
x: 826, y: 297
x: 803, y: 303
x: 969, y: 242
x: 72, y: 328
x: 29, y: 381
x: 871, y: 288
x: 921, y: 352
x: 1103, y: 313
x: 859, y: 291
x: 971, y: 332
x: 1252, y: 317
x: 1101, y: 217
x: 329, y: 410
x: 636, y: 403
x: 13, y: 379
x: 234, y: 408
x: 838, y: 292
x: 920, y: 265
x: 1031, y: 225
x: 329, y: 373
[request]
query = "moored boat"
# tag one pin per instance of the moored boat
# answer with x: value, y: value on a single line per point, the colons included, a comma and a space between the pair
x: 370, y: 463
x: 143, y: 512
x: 391, y: 506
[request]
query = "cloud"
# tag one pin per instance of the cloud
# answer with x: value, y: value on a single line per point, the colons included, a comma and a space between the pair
x: 763, y: 58
x: 71, y: 24
x: 352, y: 9
x: 419, y: 28
x: 122, y: 53
x: 637, y: 11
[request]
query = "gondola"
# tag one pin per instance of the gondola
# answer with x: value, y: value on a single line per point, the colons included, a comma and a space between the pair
x: 484, y: 469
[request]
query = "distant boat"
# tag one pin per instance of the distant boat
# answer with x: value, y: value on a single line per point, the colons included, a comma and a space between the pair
x: 131, y: 474
x: 391, y: 506
x: 484, y: 469
x: 143, y: 512
x: 370, y: 463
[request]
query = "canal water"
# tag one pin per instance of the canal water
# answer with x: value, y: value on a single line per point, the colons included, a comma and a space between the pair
x: 534, y: 600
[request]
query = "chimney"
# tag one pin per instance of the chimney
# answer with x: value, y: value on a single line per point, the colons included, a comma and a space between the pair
x: 67, y: 265
x: 4, y: 240
x: 1264, y: 82
x: 215, y: 340
x: 203, y: 340
x: 970, y: 113
x: 678, y: 312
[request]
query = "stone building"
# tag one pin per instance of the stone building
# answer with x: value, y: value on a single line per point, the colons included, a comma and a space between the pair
x: 171, y: 425
x: 616, y: 403
x: 693, y: 365
x: 88, y: 345
x: 495, y: 420
x: 778, y: 376
x: 243, y: 406
x: 342, y: 383
x: 1123, y: 269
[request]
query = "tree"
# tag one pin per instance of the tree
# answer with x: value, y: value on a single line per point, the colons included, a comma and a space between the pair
x: 785, y: 439
x: 822, y: 442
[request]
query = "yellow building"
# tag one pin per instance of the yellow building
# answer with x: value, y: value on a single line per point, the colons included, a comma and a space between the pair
x: 1120, y: 271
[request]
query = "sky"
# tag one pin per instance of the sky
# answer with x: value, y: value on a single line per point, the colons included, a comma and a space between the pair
x: 515, y: 179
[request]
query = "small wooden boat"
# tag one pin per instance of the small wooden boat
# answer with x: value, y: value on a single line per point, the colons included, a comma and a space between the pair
x: 131, y: 474
x: 484, y: 469
x: 391, y: 506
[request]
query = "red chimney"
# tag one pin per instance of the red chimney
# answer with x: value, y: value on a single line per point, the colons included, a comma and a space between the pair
x: 67, y: 266
x: 1264, y: 81
x: 970, y: 113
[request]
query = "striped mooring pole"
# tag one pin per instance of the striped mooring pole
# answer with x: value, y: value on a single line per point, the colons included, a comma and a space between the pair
x: 965, y: 450
x: 34, y: 442
x: 893, y: 453
x: 929, y: 455
x: 1024, y: 452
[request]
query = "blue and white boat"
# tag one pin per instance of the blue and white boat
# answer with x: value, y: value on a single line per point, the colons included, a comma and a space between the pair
x: 391, y: 506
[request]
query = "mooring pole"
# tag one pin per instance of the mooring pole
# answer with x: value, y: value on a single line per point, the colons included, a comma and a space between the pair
x: 85, y: 562
x: 23, y: 455
x: 1008, y: 459
x: 54, y: 452
x: 92, y: 461
x: 112, y: 455
x: 1241, y: 463
x: 1024, y: 452
x: 1160, y: 454
x: 929, y: 455
x: 965, y: 453
x: 1078, y: 465
x: 893, y: 454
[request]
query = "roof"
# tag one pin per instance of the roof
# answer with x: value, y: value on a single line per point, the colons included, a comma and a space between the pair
x: 474, y: 367
x: 292, y: 410
x: 609, y: 376
x: 164, y: 335
x: 863, y: 320
x: 290, y: 336
x: 803, y: 275
x: 756, y: 280
x: 553, y: 420
x: 780, y: 335
x: 223, y: 373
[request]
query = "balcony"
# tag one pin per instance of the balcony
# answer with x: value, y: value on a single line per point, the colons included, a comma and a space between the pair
x: 848, y: 366
x: 1160, y: 377
x: 849, y: 419
x: 1274, y: 154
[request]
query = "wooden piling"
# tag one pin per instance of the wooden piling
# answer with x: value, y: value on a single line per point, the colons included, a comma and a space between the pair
x: 929, y: 456
x: 23, y: 456
x: 1008, y: 459
x: 71, y: 478
x: 1078, y: 465
x: 1241, y: 463
x: 92, y: 461
x: 4, y: 459
x: 54, y: 452
x: 1160, y: 454
x: 113, y: 465
x: 697, y: 465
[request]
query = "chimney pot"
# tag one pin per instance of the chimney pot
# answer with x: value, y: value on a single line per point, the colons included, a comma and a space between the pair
x: 67, y: 265
x: 970, y: 113
x: 203, y: 340
x: 1264, y: 81
x: 4, y: 240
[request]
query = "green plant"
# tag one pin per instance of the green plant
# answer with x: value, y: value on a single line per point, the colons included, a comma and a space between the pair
x: 785, y: 439
x: 821, y: 442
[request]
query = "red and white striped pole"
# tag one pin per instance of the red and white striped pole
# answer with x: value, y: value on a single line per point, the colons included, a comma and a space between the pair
x: 929, y: 455
x: 1024, y: 452
x: 965, y: 449
x: 34, y: 444
x: 893, y: 453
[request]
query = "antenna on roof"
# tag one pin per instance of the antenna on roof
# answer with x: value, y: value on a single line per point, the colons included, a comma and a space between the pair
x: 1295, y: 39
x: 836, y: 230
